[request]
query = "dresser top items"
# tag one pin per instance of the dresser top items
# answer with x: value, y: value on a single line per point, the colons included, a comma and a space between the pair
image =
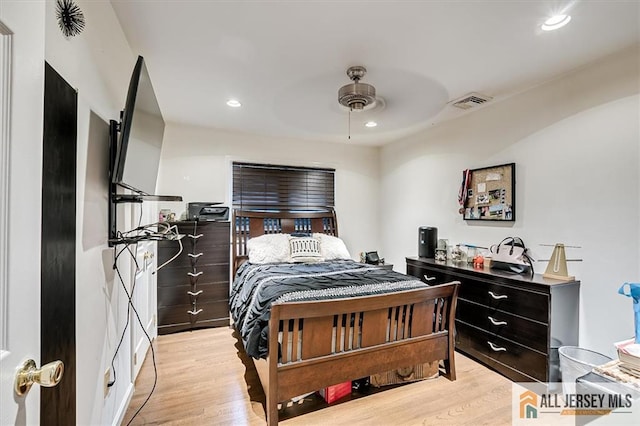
x: 492, y: 274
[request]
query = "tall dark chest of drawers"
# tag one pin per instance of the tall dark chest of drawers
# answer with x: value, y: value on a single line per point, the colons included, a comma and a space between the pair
x: 512, y: 323
x: 193, y: 290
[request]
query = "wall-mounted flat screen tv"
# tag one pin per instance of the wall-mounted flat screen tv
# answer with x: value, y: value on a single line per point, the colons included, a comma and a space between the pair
x: 139, y: 144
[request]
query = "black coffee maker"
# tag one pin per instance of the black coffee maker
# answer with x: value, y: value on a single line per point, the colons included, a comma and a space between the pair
x: 427, y: 241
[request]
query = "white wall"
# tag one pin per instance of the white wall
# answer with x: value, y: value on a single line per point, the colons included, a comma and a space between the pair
x: 575, y: 142
x: 98, y: 63
x: 196, y: 164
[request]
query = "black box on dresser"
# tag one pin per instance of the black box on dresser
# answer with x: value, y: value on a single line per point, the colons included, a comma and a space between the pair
x: 510, y: 322
x: 193, y: 290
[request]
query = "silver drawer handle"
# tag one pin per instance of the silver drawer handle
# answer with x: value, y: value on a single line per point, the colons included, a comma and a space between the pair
x: 496, y: 348
x: 199, y: 292
x: 428, y: 278
x: 197, y: 274
x: 195, y: 256
x: 194, y: 312
x: 497, y: 297
x: 494, y: 322
x: 195, y: 237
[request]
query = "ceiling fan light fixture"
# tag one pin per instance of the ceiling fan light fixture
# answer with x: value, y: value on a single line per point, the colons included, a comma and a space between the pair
x: 357, y: 96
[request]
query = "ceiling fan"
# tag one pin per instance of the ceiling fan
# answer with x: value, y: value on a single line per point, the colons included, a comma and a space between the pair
x: 356, y: 96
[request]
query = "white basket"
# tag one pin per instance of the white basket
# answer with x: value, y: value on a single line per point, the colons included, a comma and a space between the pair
x: 576, y: 362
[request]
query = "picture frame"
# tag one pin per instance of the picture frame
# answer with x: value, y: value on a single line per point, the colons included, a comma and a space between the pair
x: 491, y: 194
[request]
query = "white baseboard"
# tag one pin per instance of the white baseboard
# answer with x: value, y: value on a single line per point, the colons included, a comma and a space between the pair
x: 122, y: 410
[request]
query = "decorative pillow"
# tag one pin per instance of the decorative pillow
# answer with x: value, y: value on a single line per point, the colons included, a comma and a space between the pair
x: 269, y: 248
x: 305, y: 249
x: 332, y: 247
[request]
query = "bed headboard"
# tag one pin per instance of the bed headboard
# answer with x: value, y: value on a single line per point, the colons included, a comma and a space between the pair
x: 247, y: 224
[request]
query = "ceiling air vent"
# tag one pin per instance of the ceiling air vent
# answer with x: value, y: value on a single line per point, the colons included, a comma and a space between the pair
x: 471, y: 100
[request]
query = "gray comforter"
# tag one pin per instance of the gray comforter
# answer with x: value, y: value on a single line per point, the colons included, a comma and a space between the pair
x: 257, y: 287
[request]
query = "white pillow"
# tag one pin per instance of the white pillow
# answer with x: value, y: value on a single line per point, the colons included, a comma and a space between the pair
x: 269, y: 248
x: 305, y: 249
x: 332, y: 247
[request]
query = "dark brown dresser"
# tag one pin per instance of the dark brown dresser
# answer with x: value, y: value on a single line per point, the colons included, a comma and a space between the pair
x: 193, y: 290
x: 510, y: 322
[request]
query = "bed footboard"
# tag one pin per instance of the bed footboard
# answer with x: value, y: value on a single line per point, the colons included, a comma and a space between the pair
x: 321, y: 343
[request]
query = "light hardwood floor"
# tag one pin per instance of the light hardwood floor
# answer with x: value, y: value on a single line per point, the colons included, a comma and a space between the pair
x: 205, y: 378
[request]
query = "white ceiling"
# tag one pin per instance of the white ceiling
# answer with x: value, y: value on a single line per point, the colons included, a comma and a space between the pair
x: 286, y: 60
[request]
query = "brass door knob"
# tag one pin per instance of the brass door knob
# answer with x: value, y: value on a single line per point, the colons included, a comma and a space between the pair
x: 49, y: 375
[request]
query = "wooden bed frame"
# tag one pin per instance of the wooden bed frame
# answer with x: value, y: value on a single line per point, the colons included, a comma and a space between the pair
x: 380, y: 333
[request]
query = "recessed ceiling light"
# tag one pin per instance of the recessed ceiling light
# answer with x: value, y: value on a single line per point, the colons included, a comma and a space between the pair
x: 555, y: 22
x: 371, y: 124
x: 234, y: 103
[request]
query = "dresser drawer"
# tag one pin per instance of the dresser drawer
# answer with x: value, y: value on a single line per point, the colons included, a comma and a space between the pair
x: 192, y: 256
x: 205, y: 232
x: 179, y: 327
x: 213, y: 310
x: 170, y: 276
x: 179, y: 313
x: 525, y: 303
x: 182, y: 261
x: 202, y: 274
x: 488, y: 347
x: 195, y: 244
x: 209, y: 234
x: 521, y: 330
x: 212, y: 254
x: 179, y: 295
x: 429, y: 276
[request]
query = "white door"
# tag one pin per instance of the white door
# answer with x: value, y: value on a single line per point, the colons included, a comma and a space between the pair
x: 143, y: 294
x: 21, y: 104
x: 141, y: 301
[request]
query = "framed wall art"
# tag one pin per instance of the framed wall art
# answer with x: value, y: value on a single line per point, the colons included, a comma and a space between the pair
x: 489, y: 193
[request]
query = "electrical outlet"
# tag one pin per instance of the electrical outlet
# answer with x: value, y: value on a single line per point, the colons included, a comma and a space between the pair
x: 135, y: 359
x: 107, y: 378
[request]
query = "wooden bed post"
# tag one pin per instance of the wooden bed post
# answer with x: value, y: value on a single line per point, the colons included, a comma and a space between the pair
x: 272, y: 361
x: 450, y: 363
